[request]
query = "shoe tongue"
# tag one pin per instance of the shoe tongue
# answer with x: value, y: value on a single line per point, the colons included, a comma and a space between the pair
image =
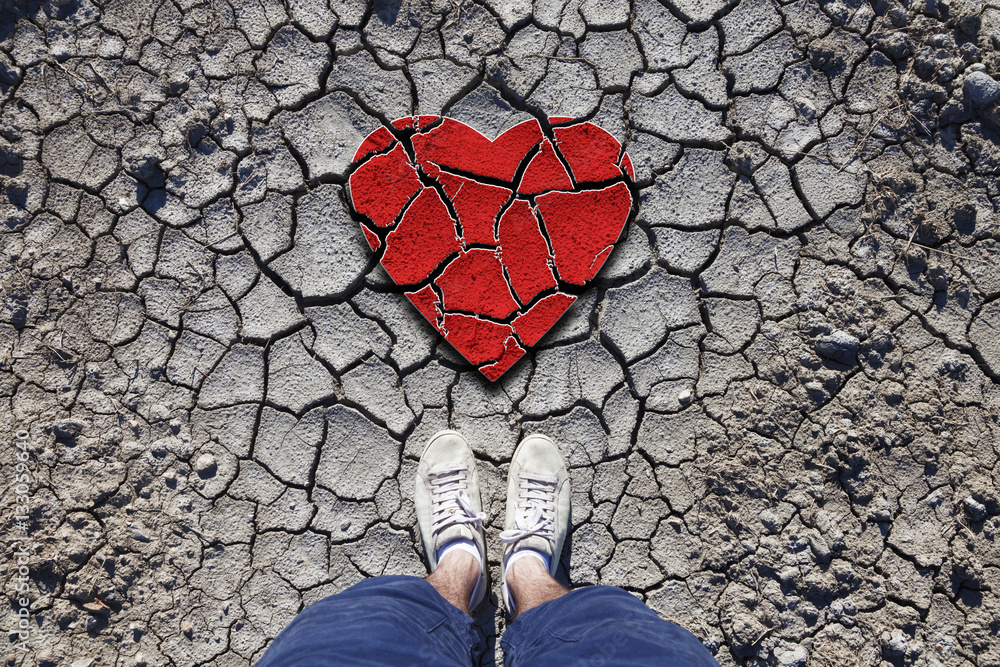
x: 535, y: 542
x: 531, y: 519
x: 454, y: 532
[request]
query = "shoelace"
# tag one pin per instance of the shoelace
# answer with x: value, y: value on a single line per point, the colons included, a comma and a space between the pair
x: 450, y: 502
x: 536, y: 495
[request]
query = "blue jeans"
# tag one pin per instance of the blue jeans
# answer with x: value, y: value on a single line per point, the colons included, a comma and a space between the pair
x: 396, y: 620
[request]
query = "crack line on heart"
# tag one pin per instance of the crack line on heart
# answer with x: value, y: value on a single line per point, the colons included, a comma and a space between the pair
x: 439, y: 293
x: 490, y: 180
x: 551, y: 135
x: 431, y: 277
x: 524, y: 307
x: 383, y: 232
x: 548, y: 240
x: 485, y: 318
x: 431, y: 182
x: 506, y: 276
x: 501, y: 212
x: 544, y: 294
x: 496, y: 235
x: 405, y: 135
x: 354, y: 166
x: 486, y: 180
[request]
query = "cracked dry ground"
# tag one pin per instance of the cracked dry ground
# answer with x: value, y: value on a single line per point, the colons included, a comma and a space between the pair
x: 778, y: 397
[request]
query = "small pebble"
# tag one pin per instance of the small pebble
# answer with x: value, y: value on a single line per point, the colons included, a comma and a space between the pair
x: 976, y: 509
x: 894, y: 643
x: 982, y: 89
x: 67, y: 428
x: 139, y: 532
x: 839, y: 346
x: 795, y: 657
x: 205, y: 464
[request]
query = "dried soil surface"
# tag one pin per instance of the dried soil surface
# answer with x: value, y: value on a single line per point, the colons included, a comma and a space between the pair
x: 778, y: 398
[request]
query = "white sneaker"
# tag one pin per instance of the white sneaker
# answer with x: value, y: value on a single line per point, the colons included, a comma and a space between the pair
x: 447, y: 502
x: 538, y: 505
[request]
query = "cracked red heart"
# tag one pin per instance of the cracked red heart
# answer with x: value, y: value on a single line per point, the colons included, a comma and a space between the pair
x: 490, y: 237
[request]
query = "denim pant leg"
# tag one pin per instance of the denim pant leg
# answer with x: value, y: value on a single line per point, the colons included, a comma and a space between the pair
x: 600, y: 625
x: 391, y: 620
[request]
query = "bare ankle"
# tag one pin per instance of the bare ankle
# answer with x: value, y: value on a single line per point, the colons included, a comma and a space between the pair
x: 455, y: 578
x: 460, y: 565
x: 531, y: 584
x: 526, y: 571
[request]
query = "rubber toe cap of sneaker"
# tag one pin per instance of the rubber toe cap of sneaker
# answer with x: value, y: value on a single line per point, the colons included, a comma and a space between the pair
x: 538, y: 454
x: 446, y: 448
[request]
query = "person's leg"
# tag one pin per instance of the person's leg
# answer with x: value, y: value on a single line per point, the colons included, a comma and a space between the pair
x: 599, y: 625
x: 398, y: 620
x: 391, y: 620
x: 449, y: 509
x: 455, y: 579
x: 538, y: 507
x: 531, y: 584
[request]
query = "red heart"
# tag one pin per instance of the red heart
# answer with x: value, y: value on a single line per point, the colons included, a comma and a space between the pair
x: 490, y: 235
